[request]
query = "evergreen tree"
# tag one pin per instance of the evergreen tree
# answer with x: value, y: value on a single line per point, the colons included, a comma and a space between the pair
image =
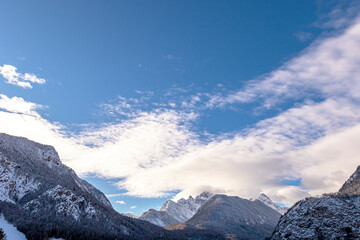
x: 2, y: 234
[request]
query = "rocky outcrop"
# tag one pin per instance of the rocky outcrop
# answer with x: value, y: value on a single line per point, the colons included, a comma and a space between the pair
x: 332, y: 216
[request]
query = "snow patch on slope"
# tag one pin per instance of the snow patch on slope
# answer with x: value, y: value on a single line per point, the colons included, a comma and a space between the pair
x: 10, y: 231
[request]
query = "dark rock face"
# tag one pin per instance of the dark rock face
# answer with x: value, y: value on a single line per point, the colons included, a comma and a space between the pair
x: 332, y: 216
x: 236, y: 217
x: 44, y: 198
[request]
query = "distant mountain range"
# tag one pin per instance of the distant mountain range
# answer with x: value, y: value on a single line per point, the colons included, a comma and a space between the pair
x: 44, y: 199
x: 235, y: 217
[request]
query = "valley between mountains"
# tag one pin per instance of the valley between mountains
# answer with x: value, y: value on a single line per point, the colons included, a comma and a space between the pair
x: 40, y: 198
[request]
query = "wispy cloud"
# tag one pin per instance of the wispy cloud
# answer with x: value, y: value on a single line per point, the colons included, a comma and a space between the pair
x: 22, y: 80
x: 121, y: 202
x: 303, y: 36
x: 327, y: 68
x: 133, y: 207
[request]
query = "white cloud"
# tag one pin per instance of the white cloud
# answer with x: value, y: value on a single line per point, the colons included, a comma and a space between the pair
x: 133, y: 207
x: 18, y: 105
x: 22, y: 80
x: 121, y: 202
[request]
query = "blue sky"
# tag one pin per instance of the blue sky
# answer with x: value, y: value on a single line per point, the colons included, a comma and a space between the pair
x: 151, y: 99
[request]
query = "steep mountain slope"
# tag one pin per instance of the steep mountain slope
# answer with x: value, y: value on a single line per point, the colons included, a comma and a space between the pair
x: 236, y: 217
x: 352, y: 185
x: 332, y: 216
x: 44, y: 198
x: 160, y: 218
x: 176, y: 212
x: 267, y: 201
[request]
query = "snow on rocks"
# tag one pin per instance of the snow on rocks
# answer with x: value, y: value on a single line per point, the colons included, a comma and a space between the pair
x: 10, y: 230
x: 67, y: 203
x: 12, y: 186
x: 176, y: 212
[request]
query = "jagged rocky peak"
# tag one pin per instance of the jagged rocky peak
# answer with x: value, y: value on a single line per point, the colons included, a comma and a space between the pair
x: 176, y: 212
x: 184, y: 209
x: 352, y: 185
x: 267, y: 201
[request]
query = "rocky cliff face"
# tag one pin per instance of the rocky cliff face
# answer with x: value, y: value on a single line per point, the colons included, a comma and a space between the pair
x: 332, y: 216
x: 235, y: 217
x: 328, y: 217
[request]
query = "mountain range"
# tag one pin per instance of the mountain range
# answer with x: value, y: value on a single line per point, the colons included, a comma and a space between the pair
x: 235, y: 217
x: 44, y: 199
x: 172, y: 213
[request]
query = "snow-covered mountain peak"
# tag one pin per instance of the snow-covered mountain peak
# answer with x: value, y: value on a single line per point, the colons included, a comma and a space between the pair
x: 267, y: 201
x: 176, y: 212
